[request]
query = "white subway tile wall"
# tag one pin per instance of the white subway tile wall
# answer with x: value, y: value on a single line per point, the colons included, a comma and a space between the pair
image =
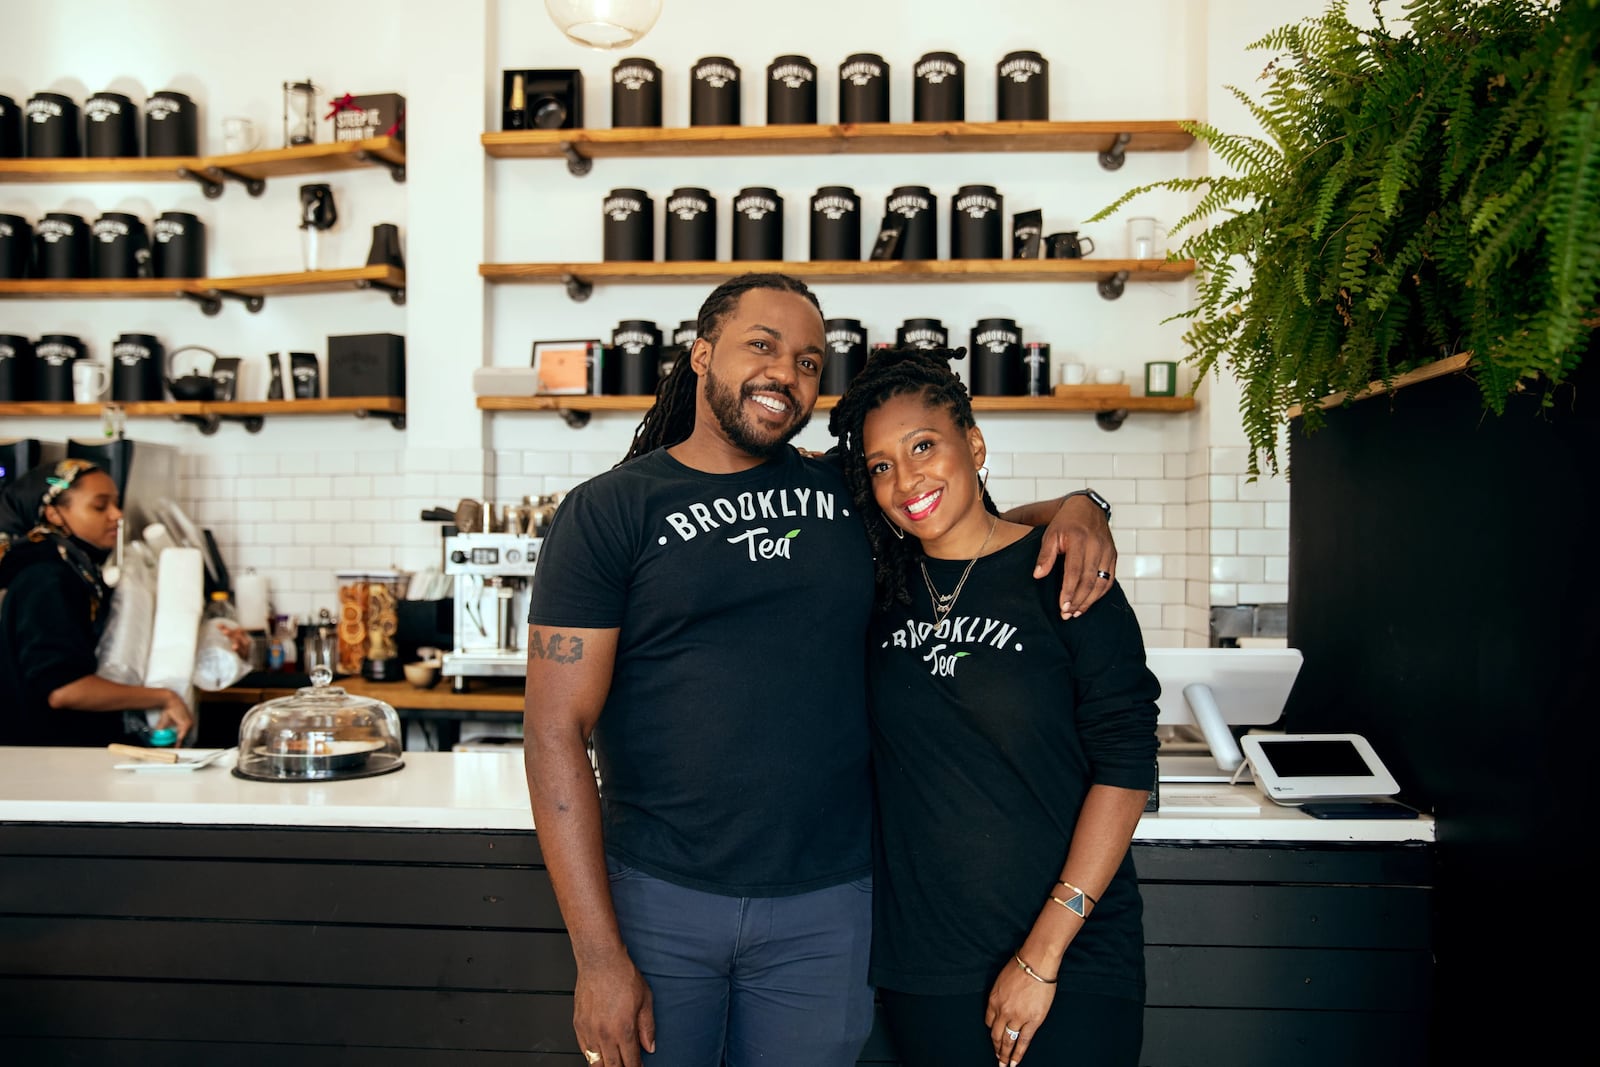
x: 1192, y: 530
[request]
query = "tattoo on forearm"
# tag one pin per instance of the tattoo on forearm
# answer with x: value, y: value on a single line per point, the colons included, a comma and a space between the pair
x: 559, y: 648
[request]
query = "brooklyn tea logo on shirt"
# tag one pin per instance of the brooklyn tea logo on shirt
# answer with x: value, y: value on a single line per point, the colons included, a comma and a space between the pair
x: 939, y: 646
x: 765, y: 534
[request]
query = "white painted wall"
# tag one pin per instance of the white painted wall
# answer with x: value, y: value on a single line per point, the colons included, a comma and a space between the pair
x: 307, y: 497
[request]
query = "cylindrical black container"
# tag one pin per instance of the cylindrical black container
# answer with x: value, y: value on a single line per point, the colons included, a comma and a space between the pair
x: 939, y: 90
x: 1036, y: 368
x: 919, y: 207
x: 51, y: 127
x: 714, y: 92
x: 110, y: 126
x: 138, y: 362
x: 1022, y: 88
x: 16, y: 246
x: 10, y: 128
x: 631, y: 365
x: 171, y: 125
x: 61, y: 246
x: 636, y: 93
x: 835, y: 223
x: 922, y: 333
x: 686, y: 333
x: 977, y: 223
x: 629, y: 229
x: 758, y: 224
x: 791, y: 92
x: 16, y: 368
x: 847, y: 354
x: 178, y: 246
x: 864, y: 88
x: 119, y: 246
x: 691, y: 226
x: 996, y: 353
x: 53, y: 357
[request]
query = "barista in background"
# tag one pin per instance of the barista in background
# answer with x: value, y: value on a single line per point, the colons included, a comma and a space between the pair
x: 58, y: 524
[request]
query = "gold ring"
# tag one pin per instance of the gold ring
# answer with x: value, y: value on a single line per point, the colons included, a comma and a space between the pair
x: 591, y: 1055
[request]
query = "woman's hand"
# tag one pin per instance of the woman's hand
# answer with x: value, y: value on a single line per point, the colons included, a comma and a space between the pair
x: 175, y: 714
x: 1081, y: 533
x: 240, y: 638
x: 1019, y: 1004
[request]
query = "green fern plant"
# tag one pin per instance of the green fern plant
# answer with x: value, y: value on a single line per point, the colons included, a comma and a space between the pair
x: 1416, y: 194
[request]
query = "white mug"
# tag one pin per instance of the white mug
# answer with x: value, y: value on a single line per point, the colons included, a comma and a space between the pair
x: 239, y: 135
x: 1073, y: 373
x: 1108, y: 376
x: 89, y: 381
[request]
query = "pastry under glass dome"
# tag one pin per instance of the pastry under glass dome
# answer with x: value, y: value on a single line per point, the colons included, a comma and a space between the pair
x: 320, y: 733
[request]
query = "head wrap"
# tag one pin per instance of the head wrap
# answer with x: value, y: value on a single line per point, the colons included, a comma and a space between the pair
x: 27, y: 536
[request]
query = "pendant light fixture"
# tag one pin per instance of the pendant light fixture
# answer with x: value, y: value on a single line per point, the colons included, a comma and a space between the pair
x: 604, y: 24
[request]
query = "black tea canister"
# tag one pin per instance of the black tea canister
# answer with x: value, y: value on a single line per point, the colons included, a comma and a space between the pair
x: 714, y: 92
x: 635, y: 93
x: 864, y: 88
x: 1022, y: 88
x: 922, y: 333
x: 691, y: 229
x: 171, y: 125
x: 977, y: 223
x: 996, y: 354
x: 758, y: 224
x: 16, y: 246
x: 835, y: 223
x: 110, y: 126
x: 61, y: 246
x: 1036, y: 368
x: 10, y: 128
x: 178, y: 246
x: 629, y: 226
x: 50, y: 127
x: 631, y: 366
x: 53, y: 358
x: 138, y: 366
x: 791, y: 92
x: 686, y: 332
x: 919, y: 239
x: 939, y: 88
x: 16, y: 368
x: 119, y: 246
x: 847, y: 354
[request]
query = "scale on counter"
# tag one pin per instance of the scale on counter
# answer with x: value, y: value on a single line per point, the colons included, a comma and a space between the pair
x: 1216, y: 689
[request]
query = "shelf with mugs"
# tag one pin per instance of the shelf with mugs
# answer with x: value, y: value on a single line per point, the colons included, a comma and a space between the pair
x: 209, y: 415
x: 1109, y: 275
x: 1110, y: 140
x: 209, y: 293
x: 250, y: 168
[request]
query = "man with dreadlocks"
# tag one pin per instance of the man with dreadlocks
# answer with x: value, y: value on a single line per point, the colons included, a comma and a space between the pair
x: 701, y: 611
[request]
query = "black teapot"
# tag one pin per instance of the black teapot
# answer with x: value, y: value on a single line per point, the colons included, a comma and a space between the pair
x: 193, y: 386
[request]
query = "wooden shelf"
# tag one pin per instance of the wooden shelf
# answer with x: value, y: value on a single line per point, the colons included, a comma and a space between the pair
x: 251, y: 289
x: 313, y: 158
x: 876, y: 137
x: 208, y: 415
x: 99, y: 288
x: 146, y: 409
x: 131, y: 169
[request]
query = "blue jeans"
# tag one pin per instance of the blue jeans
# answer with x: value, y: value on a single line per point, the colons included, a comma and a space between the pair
x: 742, y: 981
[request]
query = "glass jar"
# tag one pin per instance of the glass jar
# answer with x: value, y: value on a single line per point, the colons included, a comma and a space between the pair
x: 319, y: 733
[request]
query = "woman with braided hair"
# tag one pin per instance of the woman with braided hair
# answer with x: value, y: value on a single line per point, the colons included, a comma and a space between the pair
x: 1013, y: 752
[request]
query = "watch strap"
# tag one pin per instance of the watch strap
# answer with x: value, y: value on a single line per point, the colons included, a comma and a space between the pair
x: 1101, y: 502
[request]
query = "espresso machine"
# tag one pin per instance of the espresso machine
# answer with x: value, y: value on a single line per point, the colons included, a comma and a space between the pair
x: 491, y: 572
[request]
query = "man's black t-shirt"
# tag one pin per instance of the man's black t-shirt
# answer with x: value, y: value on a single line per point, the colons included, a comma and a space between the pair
x: 987, y: 734
x: 733, y: 746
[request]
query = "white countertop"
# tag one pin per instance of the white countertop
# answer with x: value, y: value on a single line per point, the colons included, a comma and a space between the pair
x: 487, y: 791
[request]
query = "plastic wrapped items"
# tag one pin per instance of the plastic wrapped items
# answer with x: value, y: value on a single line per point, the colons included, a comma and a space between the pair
x: 125, y: 645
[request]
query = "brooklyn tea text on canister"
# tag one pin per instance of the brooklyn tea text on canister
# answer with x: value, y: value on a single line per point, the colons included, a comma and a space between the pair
x: 977, y: 223
x: 685, y: 333
x: 939, y: 88
x: 847, y: 354
x: 996, y: 352
x: 1022, y: 88
x: 631, y: 364
x: 791, y: 92
x: 835, y: 223
x: 714, y: 92
x: 138, y: 361
x: 16, y: 246
x: 922, y: 333
x: 635, y: 93
x: 16, y: 368
x: 919, y: 207
x: 119, y: 246
x: 691, y: 228
x: 758, y: 224
x: 10, y: 128
x: 1036, y: 368
x: 50, y: 127
x: 628, y: 226
x: 110, y: 126
x: 171, y: 125
x: 53, y: 357
x: 178, y: 246
x: 864, y: 88
x: 61, y: 246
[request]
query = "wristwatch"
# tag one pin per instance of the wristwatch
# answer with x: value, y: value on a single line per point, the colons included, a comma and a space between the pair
x: 1100, y: 501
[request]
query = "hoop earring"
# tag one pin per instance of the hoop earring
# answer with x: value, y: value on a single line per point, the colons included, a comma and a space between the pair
x: 898, y: 533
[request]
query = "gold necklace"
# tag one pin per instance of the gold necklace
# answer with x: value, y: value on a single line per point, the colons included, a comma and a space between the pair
x: 945, y: 603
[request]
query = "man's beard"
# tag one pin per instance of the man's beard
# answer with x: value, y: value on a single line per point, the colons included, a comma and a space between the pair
x: 727, y: 404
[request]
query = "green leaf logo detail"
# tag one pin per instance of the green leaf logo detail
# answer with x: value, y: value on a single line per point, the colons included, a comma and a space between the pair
x: 792, y: 533
x: 960, y: 654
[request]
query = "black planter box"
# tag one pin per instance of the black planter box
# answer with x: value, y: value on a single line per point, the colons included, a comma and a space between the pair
x: 367, y: 364
x: 372, y: 115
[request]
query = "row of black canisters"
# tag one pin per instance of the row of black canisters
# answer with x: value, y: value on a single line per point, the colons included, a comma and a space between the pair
x: 628, y: 230
x: 1001, y: 363
x: 38, y: 371
x: 1022, y: 90
x: 51, y: 126
x: 116, y: 245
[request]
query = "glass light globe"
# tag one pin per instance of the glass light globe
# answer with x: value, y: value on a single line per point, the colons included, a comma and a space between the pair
x: 604, y: 24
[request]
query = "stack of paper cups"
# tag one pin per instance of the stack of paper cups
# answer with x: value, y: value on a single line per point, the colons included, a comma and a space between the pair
x: 250, y: 601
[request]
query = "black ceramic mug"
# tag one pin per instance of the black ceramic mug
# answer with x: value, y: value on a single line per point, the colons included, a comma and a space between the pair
x: 53, y: 358
x: 138, y: 362
x: 835, y: 223
x: 16, y: 246
x: 758, y: 224
x: 628, y: 226
x: 939, y: 91
x: 119, y: 246
x: 50, y: 127
x: 171, y: 125
x: 61, y: 246
x: 691, y: 227
x: 922, y: 333
x: 110, y: 126
x: 16, y: 368
x: 178, y: 246
x: 10, y: 128
x: 635, y: 93
x: 977, y: 223
x: 631, y: 365
x: 847, y: 354
x: 864, y: 88
x: 1067, y: 245
x: 996, y: 354
x: 919, y: 239
x: 714, y: 92
x: 791, y: 92
x: 1022, y: 88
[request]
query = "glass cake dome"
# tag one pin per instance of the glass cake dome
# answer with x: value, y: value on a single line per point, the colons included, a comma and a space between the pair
x: 320, y: 733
